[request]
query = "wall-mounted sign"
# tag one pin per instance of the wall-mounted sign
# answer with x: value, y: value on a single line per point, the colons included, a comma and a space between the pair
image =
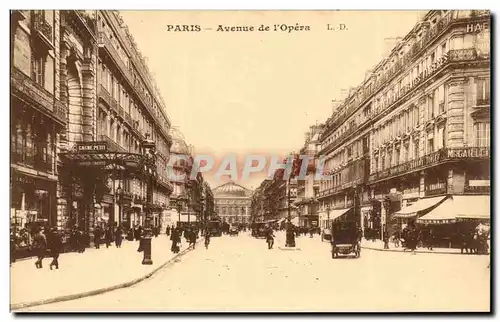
x: 91, y: 163
x: 477, y: 27
x: 479, y: 183
x: 91, y: 147
x: 469, y: 153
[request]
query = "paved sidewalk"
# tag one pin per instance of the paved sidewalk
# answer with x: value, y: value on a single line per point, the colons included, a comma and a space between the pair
x: 94, y: 271
x: 379, y: 245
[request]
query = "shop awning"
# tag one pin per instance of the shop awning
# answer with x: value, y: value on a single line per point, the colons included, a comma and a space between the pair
x: 336, y: 213
x: 295, y: 221
x: 420, y: 205
x: 459, y: 208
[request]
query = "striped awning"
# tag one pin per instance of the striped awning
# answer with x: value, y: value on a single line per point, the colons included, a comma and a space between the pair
x: 459, y: 208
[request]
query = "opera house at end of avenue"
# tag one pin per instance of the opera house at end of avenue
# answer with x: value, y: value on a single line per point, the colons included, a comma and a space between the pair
x: 232, y: 203
x: 411, y: 143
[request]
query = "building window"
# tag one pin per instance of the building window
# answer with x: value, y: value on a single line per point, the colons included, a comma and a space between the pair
x: 482, y: 131
x: 482, y: 91
x: 430, y: 107
x: 39, y: 70
x: 440, y: 138
x: 440, y: 99
x: 443, y: 48
x: 416, y: 147
x: 430, y: 145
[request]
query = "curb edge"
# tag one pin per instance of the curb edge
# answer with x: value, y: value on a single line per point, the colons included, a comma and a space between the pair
x: 418, y: 251
x: 70, y: 297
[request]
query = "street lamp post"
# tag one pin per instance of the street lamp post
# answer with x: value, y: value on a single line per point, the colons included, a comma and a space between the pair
x: 290, y: 235
x: 328, y: 217
x: 119, y: 190
x: 202, y: 217
x: 149, y: 156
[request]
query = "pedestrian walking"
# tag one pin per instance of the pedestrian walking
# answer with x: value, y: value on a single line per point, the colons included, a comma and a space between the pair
x: 386, y: 239
x: 39, y: 247
x: 192, y: 238
x: 207, y: 238
x: 118, y: 237
x: 176, y: 239
x: 137, y: 232
x: 270, y: 238
x: 109, y: 236
x: 97, y: 237
x: 54, y: 243
x: 80, y: 241
x: 167, y: 231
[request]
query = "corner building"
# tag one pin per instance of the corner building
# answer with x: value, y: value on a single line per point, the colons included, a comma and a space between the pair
x: 108, y: 175
x: 412, y: 142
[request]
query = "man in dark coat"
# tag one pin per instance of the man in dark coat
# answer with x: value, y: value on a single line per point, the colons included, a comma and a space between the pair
x: 193, y: 236
x: 109, y: 236
x: 54, y: 243
x: 97, y: 237
x: 175, y: 238
x: 118, y: 237
x: 39, y: 247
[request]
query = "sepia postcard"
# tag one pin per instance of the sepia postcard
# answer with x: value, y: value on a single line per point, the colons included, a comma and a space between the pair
x: 250, y: 161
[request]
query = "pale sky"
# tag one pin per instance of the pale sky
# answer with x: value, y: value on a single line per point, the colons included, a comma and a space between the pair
x: 240, y: 92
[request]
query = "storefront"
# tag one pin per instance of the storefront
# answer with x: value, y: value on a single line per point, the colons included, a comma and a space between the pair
x: 33, y: 200
x: 456, y: 215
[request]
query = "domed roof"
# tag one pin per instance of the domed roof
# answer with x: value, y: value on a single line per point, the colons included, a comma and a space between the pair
x: 231, y: 189
x: 179, y: 145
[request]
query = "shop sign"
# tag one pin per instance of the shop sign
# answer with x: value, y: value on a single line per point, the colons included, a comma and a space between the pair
x: 468, y: 153
x: 477, y: 189
x: 91, y: 147
x: 436, y: 188
x: 477, y: 27
x: 479, y: 183
x: 91, y: 163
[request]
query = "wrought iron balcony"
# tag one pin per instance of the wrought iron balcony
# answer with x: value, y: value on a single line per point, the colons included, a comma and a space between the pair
x: 43, y: 28
x: 105, y: 43
x: 458, y: 55
x: 483, y: 101
x: 33, y: 92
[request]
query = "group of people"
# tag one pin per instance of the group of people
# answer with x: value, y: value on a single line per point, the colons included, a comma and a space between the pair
x: 189, y: 233
x: 471, y: 240
x: 43, y: 240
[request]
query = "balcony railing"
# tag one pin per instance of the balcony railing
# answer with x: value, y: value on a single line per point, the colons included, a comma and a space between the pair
x: 442, y: 155
x: 43, y: 27
x: 38, y: 95
x: 483, y: 101
x: 104, y: 42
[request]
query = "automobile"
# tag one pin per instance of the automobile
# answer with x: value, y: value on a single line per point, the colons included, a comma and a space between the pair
x: 215, y: 228
x: 259, y: 230
x: 233, y: 231
x: 345, y: 239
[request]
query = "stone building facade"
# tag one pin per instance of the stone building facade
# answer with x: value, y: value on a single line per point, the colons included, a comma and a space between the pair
x: 90, y: 134
x: 417, y: 128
